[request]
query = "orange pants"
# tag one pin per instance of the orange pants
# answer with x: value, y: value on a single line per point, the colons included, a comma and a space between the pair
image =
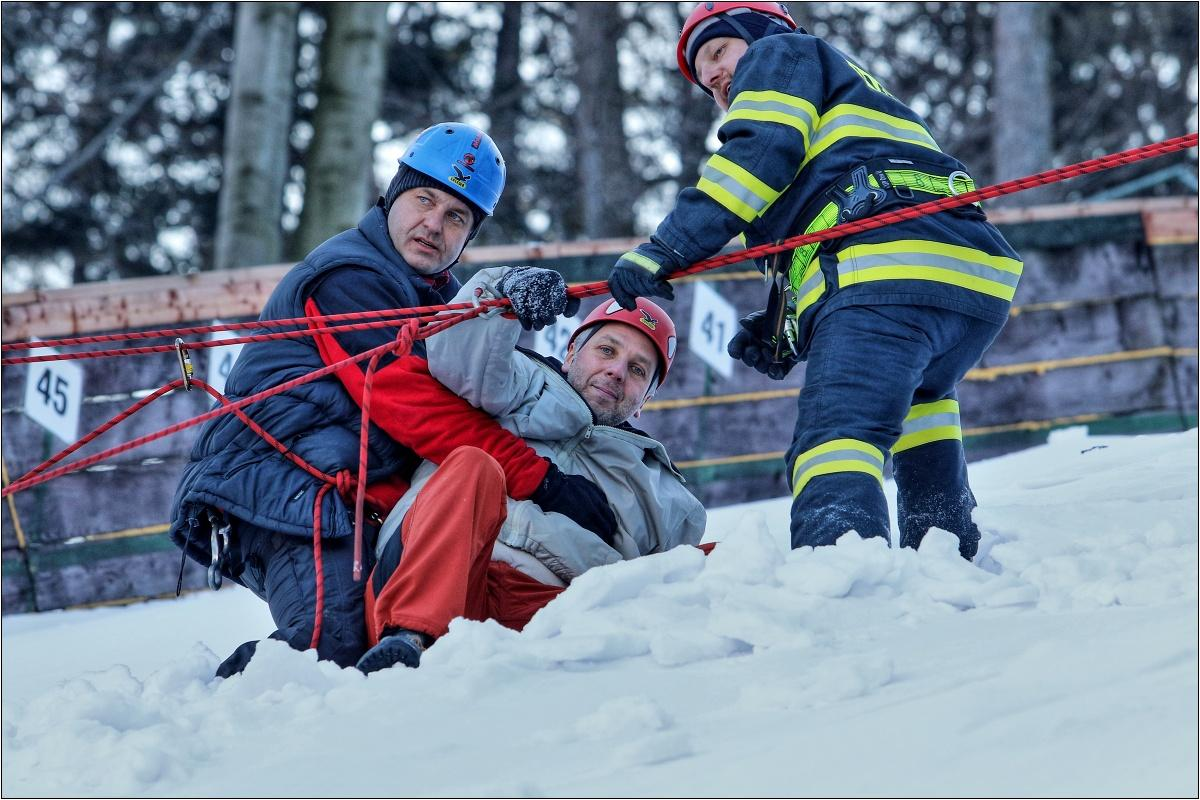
x: 439, y: 565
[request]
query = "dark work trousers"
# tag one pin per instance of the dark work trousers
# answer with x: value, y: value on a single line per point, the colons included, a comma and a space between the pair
x: 280, y: 569
x: 881, y: 380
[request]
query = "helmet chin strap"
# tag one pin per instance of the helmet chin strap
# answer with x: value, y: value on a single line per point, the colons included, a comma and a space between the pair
x: 737, y: 26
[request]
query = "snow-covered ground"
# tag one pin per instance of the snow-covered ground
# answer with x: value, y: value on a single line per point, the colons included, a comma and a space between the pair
x: 1064, y: 662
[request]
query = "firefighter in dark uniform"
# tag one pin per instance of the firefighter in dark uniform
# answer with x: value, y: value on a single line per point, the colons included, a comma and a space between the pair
x: 889, y: 321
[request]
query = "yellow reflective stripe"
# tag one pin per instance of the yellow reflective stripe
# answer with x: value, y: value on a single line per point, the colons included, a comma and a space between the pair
x: 727, y: 200
x: 642, y: 261
x: 929, y: 422
x: 770, y: 97
x: 769, y: 106
x: 918, y: 438
x: 920, y: 260
x: 839, y: 455
x: 846, y: 120
x: 913, y: 272
x: 810, y: 297
x: 922, y: 410
x: 735, y: 188
x: 934, y: 248
x: 744, y: 178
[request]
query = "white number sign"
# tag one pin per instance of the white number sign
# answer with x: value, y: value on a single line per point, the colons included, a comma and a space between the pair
x: 714, y: 321
x: 54, y: 395
x: 552, y: 339
x: 221, y: 359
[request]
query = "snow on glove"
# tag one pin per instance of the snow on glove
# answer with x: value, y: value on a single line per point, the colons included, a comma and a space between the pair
x: 754, y: 346
x: 577, y: 497
x: 636, y: 275
x: 538, y: 296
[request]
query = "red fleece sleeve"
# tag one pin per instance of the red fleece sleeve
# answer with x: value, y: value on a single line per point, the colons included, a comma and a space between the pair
x: 412, y: 407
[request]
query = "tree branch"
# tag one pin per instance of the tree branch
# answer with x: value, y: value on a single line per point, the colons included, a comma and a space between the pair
x: 144, y: 95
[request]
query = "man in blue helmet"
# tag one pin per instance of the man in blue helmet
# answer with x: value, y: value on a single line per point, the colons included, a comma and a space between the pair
x: 245, y: 506
x: 889, y: 320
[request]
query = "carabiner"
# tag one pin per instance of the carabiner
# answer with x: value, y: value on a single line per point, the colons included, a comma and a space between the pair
x: 185, y: 364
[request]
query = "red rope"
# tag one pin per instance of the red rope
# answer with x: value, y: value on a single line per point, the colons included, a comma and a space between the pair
x: 27, y: 481
x: 364, y: 430
x: 425, y: 314
x: 931, y: 207
x: 434, y: 313
x: 318, y: 569
x: 402, y: 313
x: 434, y: 323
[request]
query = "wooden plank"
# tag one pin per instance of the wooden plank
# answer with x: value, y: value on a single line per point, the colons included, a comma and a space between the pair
x: 177, y: 299
x: 1171, y: 225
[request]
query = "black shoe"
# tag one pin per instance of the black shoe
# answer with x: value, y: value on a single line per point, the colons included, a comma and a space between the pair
x: 398, y: 646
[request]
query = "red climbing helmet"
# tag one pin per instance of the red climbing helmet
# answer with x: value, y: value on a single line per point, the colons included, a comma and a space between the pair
x: 705, y: 11
x: 648, y: 318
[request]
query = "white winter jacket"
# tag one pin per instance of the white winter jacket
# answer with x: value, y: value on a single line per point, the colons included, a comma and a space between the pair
x: 478, y: 360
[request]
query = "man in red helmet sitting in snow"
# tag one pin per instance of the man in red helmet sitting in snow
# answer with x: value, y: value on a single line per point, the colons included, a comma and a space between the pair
x: 456, y: 544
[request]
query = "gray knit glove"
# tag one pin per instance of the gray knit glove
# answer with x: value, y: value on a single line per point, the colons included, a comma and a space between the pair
x: 538, y: 296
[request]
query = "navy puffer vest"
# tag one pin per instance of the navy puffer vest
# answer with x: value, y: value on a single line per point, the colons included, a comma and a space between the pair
x: 234, y: 470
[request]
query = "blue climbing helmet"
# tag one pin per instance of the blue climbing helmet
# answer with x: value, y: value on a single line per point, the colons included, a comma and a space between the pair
x: 456, y: 157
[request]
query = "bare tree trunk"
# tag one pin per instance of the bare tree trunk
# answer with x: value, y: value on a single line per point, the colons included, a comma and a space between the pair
x: 256, y: 136
x: 606, y: 181
x: 505, y: 110
x: 337, y: 178
x: 1022, y: 139
x: 696, y: 113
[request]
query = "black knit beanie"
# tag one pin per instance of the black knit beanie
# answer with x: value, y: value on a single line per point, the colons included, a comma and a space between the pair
x: 408, y: 178
x: 753, y: 26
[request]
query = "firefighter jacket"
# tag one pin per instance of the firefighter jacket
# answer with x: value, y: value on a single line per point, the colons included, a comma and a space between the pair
x: 530, y: 396
x: 803, y: 120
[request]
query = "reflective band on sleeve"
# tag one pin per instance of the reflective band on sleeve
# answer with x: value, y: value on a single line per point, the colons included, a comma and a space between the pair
x: 929, y: 422
x: 735, y: 188
x: 919, y: 260
x: 768, y: 106
x: 840, y: 455
x: 848, y: 120
x: 645, y: 263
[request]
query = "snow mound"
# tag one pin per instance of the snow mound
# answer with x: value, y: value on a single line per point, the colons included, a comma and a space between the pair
x: 1067, y: 653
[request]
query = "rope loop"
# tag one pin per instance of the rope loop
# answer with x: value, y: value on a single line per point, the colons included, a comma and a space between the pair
x: 343, y: 481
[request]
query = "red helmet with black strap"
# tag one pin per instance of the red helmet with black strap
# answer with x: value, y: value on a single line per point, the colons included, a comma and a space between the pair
x: 705, y: 11
x: 648, y: 318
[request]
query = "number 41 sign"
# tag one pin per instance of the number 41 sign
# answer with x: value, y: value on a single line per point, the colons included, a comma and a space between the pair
x: 54, y: 394
x: 714, y: 321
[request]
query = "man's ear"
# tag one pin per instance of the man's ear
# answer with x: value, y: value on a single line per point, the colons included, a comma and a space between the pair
x: 570, y: 356
x: 646, y: 399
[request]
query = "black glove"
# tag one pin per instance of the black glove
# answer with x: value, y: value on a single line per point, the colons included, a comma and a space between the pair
x: 538, y: 296
x: 576, y: 497
x: 754, y: 346
x: 633, y: 277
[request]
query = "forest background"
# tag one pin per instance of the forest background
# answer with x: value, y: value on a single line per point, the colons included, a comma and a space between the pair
x: 166, y: 138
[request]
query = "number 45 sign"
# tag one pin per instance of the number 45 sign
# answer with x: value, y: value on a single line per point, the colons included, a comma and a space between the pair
x: 54, y: 394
